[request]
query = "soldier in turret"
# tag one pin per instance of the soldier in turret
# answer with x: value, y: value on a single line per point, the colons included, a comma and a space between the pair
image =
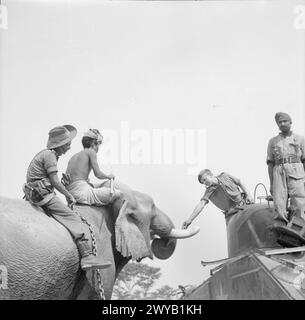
x: 228, y: 193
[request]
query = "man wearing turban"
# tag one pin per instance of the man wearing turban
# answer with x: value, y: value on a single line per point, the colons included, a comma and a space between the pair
x: 285, y: 160
x: 79, y: 168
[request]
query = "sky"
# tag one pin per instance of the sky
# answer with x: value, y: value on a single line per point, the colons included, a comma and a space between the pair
x: 210, y: 74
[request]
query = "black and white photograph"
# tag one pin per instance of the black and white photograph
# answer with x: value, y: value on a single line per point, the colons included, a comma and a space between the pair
x: 152, y: 150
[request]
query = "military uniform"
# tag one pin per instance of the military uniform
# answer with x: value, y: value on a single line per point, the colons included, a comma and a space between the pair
x: 43, y: 164
x: 226, y: 195
x: 287, y: 153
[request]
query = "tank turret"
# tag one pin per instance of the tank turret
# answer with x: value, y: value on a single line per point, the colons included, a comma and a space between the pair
x: 251, y: 228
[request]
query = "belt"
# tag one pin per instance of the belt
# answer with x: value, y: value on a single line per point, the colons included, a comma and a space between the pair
x: 35, y: 197
x: 291, y: 159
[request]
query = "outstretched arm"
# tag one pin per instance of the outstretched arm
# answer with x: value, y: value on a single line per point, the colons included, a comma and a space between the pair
x: 200, y: 206
x: 96, y: 169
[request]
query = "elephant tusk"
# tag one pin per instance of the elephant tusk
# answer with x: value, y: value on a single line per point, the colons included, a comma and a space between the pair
x: 183, y: 233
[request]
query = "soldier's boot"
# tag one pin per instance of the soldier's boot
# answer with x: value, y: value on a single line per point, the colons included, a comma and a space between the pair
x: 297, y: 224
x: 280, y: 220
x: 88, y: 260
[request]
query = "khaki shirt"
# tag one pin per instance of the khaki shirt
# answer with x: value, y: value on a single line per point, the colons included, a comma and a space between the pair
x: 44, y: 163
x: 281, y: 146
x: 231, y: 186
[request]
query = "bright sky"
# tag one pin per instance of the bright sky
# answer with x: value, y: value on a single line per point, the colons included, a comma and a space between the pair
x: 222, y: 67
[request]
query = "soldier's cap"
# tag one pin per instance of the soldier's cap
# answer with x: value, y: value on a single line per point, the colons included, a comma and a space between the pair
x: 94, y: 134
x: 282, y: 116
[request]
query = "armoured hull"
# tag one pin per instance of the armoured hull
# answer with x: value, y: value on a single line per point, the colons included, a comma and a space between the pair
x: 257, y: 268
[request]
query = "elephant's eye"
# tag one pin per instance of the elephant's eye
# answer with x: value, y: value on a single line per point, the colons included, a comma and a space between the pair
x: 132, y: 216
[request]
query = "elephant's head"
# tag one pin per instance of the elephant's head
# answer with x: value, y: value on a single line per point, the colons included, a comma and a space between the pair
x: 139, y: 221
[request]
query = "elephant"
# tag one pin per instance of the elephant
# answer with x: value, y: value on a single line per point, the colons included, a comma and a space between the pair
x: 42, y: 260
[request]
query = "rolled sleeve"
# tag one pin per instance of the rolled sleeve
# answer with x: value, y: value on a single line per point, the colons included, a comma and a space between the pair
x: 207, y: 194
x: 270, y: 157
x: 50, y: 162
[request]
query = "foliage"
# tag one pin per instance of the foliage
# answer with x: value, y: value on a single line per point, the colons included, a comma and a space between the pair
x: 136, y: 282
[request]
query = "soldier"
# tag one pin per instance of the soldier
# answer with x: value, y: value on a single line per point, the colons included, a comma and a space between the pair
x: 223, y: 190
x: 42, y: 180
x: 285, y: 160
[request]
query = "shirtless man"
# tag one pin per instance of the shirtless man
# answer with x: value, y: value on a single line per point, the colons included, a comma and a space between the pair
x: 79, y: 168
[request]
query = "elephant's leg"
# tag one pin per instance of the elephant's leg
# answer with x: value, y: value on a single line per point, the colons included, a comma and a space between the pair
x: 87, y: 293
x: 90, y: 287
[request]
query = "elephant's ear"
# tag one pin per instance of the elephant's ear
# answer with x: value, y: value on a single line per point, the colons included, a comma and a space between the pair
x: 130, y: 241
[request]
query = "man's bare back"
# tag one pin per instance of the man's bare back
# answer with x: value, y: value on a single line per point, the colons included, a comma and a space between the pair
x: 79, y: 165
x: 79, y: 168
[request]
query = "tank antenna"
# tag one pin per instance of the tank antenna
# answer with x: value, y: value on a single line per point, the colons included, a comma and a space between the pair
x: 267, y: 198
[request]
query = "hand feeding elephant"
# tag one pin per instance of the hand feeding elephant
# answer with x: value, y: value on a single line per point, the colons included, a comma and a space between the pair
x: 43, y: 262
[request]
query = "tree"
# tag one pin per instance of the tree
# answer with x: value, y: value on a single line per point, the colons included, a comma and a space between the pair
x: 136, y: 281
x: 164, y: 293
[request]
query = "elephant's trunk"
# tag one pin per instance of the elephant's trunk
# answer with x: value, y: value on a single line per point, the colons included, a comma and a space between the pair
x: 163, y: 227
x: 161, y: 224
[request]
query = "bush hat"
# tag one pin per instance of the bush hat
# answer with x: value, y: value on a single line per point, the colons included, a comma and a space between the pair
x: 60, y: 136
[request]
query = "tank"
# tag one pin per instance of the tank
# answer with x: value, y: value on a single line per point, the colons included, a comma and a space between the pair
x: 251, y: 228
x: 258, y: 267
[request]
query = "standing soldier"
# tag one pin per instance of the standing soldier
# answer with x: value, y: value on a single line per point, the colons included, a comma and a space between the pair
x: 285, y: 160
